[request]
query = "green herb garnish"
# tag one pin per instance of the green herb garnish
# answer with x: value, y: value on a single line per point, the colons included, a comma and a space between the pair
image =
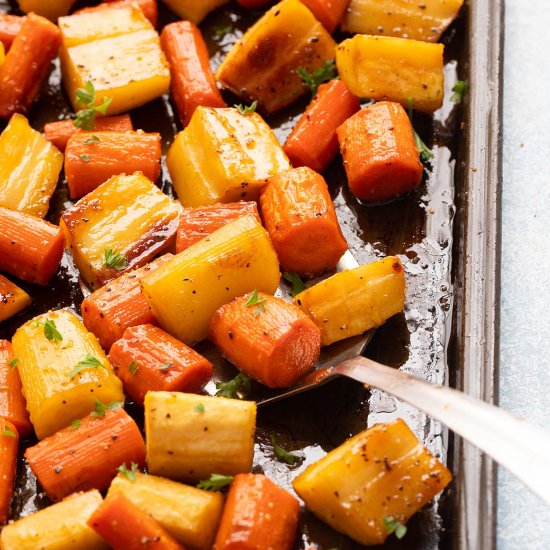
x: 75, y: 424
x: 133, y: 367
x: 89, y: 362
x: 256, y: 300
x: 93, y: 139
x: 394, y: 526
x: 247, y: 109
x: 220, y: 32
x: 131, y: 473
x: 216, y: 482
x: 459, y: 91
x: 114, y: 259
x: 86, y: 97
x: 51, y: 332
x: 283, y: 455
x: 199, y: 407
x: 84, y: 158
x: 101, y: 408
x: 8, y: 431
x: 231, y: 389
x: 296, y: 282
x: 165, y: 366
x: 318, y: 76
x: 13, y: 363
x: 423, y: 150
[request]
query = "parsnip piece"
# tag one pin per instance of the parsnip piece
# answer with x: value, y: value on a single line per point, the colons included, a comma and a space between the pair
x: 189, y: 514
x: 194, y: 10
x: 54, y: 398
x: 214, y: 435
x: 185, y: 292
x: 354, y: 301
x: 12, y: 299
x: 383, y: 472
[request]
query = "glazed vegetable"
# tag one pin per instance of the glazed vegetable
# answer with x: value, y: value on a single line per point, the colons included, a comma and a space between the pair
x: 189, y: 514
x: 30, y: 248
x: 215, y: 435
x: 193, y: 10
x: 329, y: 12
x: 12, y: 299
x: 185, y: 292
x: 52, y: 9
x: 118, y: 305
x: 63, y: 371
x: 60, y: 131
x: 313, y: 140
x: 380, y: 475
x: 300, y: 218
x: 263, y: 64
x: 119, y: 226
x: 354, y: 301
x: 9, y: 446
x: 380, y: 153
x: 126, y: 527
x: 258, y: 515
x: 192, y: 83
x: 223, y: 156
x: 394, y: 69
x: 148, y: 7
x: 12, y: 403
x: 2, y: 54
x: 61, y: 526
x: 27, y: 64
x: 198, y: 223
x: 10, y: 25
x: 148, y: 359
x: 419, y: 21
x: 270, y: 340
x: 91, y: 160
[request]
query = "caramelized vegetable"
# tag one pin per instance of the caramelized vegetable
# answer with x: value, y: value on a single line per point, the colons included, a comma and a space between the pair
x: 9, y: 446
x: 148, y: 7
x: 381, y: 474
x: 52, y: 9
x: 193, y: 10
x: 329, y: 12
x: 12, y: 299
x: 10, y: 25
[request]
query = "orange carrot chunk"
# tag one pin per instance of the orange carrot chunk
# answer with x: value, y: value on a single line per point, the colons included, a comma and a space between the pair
x: 124, y: 526
x: 329, y: 12
x: 313, y: 141
x: 10, y: 25
x: 193, y: 83
x: 61, y: 131
x: 197, y: 223
x: 86, y: 454
x: 27, y: 64
x: 91, y: 160
x: 380, y: 155
x: 118, y: 305
x: 148, y: 7
x: 30, y: 248
x: 9, y: 447
x: 300, y: 218
x: 148, y: 359
x: 257, y: 515
x: 269, y: 339
x: 13, y: 406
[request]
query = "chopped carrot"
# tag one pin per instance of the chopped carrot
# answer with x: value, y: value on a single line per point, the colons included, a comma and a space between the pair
x: 300, y: 218
x: 12, y: 403
x: 12, y: 299
x: 193, y: 83
x: 61, y: 131
x: 86, y: 454
x: 30, y: 248
x: 125, y: 526
x: 329, y: 12
x: 313, y: 141
x: 9, y: 447
x: 257, y: 515
x: 10, y: 25
x: 148, y: 359
x: 27, y: 64
x: 148, y: 7
x: 269, y: 339
x: 379, y: 151
x: 91, y: 160
x: 197, y: 223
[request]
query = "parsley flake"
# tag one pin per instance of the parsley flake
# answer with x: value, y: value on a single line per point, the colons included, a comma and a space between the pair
x: 101, y: 408
x: 165, y: 366
x: 255, y: 299
x: 75, y: 424
x: 216, y: 482
x: 239, y: 384
x: 114, y: 259
x: 133, y: 367
x: 93, y: 139
x: 89, y: 362
x: 318, y: 76
x: 131, y: 473
x: 51, y: 332
x: 296, y: 282
x: 8, y: 431
x: 220, y: 32
x: 459, y: 90
x: 247, y: 109
x: 13, y: 363
x: 423, y: 149
x: 86, y: 97
x: 283, y: 455
x: 394, y: 526
x: 84, y: 158
x: 199, y: 407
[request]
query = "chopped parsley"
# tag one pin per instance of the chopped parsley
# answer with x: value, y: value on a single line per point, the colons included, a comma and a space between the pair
x: 114, y: 259
x: 89, y: 362
x: 84, y: 158
x: 131, y: 473
x: 239, y: 384
x: 296, y: 282
x: 87, y: 97
x: 51, y: 332
x: 394, y: 526
x: 423, y: 150
x: 247, y: 109
x: 165, y: 366
x: 75, y: 424
x: 93, y: 139
x: 459, y: 91
x: 199, y: 407
x: 13, y: 363
x: 220, y: 32
x: 318, y: 76
x: 216, y: 482
x: 256, y: 300
x: 8, y: 431
x: 133, y: 367
x: 283, y: 455
x: 101, y: 408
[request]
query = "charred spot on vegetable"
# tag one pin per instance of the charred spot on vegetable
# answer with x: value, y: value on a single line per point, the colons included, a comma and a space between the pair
x: 216, y: 482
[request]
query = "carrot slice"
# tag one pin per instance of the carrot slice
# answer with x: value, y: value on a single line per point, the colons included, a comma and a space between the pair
x: 379, y: 151
x: 12, y: 299
x: 13, y: 406
x: 329, y: 12
x: 193, y: 83
x: 301, y: 221
x: 9, y: 446
x: 87, y: 454
x: 124, y: 526
x: 10, y: 25
x: 30, y: 248
x: 313, y: 141
x: 197, y: 223
x: 61, y: 131
x: 257, y: 515
x: 91, y: 160
x: 27, y: 64
x: 267, y: 338
x: 148, y: 7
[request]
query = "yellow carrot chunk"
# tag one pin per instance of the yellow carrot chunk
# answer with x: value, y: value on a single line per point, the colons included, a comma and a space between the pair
x: 12, y: 299
x: 192, y: 10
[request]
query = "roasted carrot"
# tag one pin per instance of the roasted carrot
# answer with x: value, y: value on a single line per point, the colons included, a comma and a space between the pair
x: 27, y: 64
x: 329, y: 12
x: 9, y: 447
x: 10, y: 25
x: 193, y: 83
x: 313, y: 141
x: 379, y: 152
x: 148, y: 7
x: 12, y: 403
x: 91, y: 160
x: 30, y: 248
x: 300, y: 218
x: 197, y: 223
x: 124, y: 526
x: 148, y: 359
x: 61, y: 131
x: 86, y: 454
x: 269, y: 339
x: 12, y: 299
x: 257, y: 515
